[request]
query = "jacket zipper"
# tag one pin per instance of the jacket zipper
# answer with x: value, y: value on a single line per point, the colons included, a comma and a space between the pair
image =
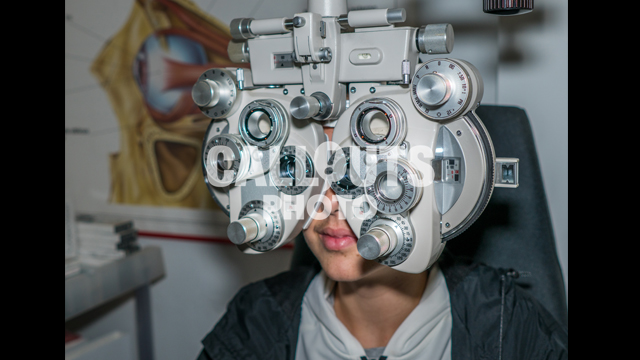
x: 514, y: 274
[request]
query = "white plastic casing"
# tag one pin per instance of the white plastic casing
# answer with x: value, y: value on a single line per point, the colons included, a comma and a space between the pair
x: 307, y: 134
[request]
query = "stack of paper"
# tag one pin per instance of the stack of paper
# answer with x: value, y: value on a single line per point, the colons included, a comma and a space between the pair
x: 102, y: 238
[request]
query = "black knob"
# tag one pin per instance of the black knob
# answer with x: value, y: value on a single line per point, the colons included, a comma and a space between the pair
x: 507, y: 7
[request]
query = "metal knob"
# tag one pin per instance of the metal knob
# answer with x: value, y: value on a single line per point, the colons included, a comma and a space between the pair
x: 433, y: 89
x: 303, y: 107
x: 215, y: 93
x: 377, y: 242
x: 507, y: 7
x: 248, y: 228
x: 241, y: 29
x: 238, y: 52
x: 435, y: 39
x: 206, y: 93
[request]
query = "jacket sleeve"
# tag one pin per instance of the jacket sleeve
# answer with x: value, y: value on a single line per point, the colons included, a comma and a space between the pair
x: 231, y: 335
x: 261, y: 321
x: 530, y: 331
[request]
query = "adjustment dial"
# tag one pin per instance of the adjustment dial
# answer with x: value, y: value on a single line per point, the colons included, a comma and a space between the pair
x: 226, y: 160
x: 386, y: 239
x: 257, y: 218
x: 433, y: 89
x: 304, y: 107
x: 249, y: 228
x: 216, y: 93
x: 393, y: 186
x: 443, y: 89
x: 379, y: 241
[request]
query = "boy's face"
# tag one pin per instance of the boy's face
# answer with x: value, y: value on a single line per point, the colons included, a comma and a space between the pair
x: 335, y: 245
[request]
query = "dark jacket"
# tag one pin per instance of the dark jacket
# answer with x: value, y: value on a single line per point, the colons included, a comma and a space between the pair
x: 492, y: 318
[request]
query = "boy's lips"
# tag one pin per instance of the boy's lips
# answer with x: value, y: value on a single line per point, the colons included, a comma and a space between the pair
x: 335, y: 239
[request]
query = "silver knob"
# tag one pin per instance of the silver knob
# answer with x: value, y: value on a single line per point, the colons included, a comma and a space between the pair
x: 433, y: 89
x: 435, y: 39
x: 206, y: 93
x: 241, y: 29
x: 215, y: 93
x: 378, y: 241
x: 249, y: 228
x: 303, y: 107
x: 238, y: 52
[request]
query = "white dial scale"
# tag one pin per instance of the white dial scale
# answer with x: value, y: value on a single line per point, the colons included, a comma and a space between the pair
x: 441, y: 88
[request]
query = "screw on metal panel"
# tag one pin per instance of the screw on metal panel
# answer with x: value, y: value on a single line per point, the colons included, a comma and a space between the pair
x: 353, y: 89
x: 447, y: 225
x: 302, y: 91
x: 298, y: 21
x: 285, y: 91
x: 458, y: 132
x: 372, y: 89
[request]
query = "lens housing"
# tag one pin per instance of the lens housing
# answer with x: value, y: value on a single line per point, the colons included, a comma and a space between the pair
x: 378, y: 122
x: 263, y: 123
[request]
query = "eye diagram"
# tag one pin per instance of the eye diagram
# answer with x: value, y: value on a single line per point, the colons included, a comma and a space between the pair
x: 147, y: 69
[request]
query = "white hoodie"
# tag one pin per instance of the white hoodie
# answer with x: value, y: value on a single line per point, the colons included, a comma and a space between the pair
x: 425, y: 334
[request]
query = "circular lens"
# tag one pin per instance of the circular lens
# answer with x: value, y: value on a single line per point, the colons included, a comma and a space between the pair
x: 293, y: 172
x: 346, y: 171
x: 263, y: 123
x: 374, y: 125
x: 389, y: 187
x: 378, y: 122
x: 258, y: 124
x: 288, y: 170
x: 345, y: 182
x: 224, y: 160
x: 223, y: 164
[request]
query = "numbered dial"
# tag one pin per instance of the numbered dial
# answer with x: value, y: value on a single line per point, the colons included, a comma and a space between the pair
x: 216, y: 93
x: 393, y: 186
x: 388, y: 237
x: 293, y: 172
x: 272, y: 226
x: 345, y: 172
x: 226, y: 159
x: 441, y: 89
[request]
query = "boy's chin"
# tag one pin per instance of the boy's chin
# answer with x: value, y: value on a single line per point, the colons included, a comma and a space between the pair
x: 349, y: 269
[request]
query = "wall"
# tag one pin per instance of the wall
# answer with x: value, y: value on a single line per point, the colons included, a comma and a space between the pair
x: 533, y: 73
x: 523, y: 60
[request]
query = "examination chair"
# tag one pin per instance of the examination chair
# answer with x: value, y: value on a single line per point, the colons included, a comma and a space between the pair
x: 514, y: 231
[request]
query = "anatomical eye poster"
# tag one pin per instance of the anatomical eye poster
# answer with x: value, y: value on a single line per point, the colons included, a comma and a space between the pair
x: 133, y: 136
